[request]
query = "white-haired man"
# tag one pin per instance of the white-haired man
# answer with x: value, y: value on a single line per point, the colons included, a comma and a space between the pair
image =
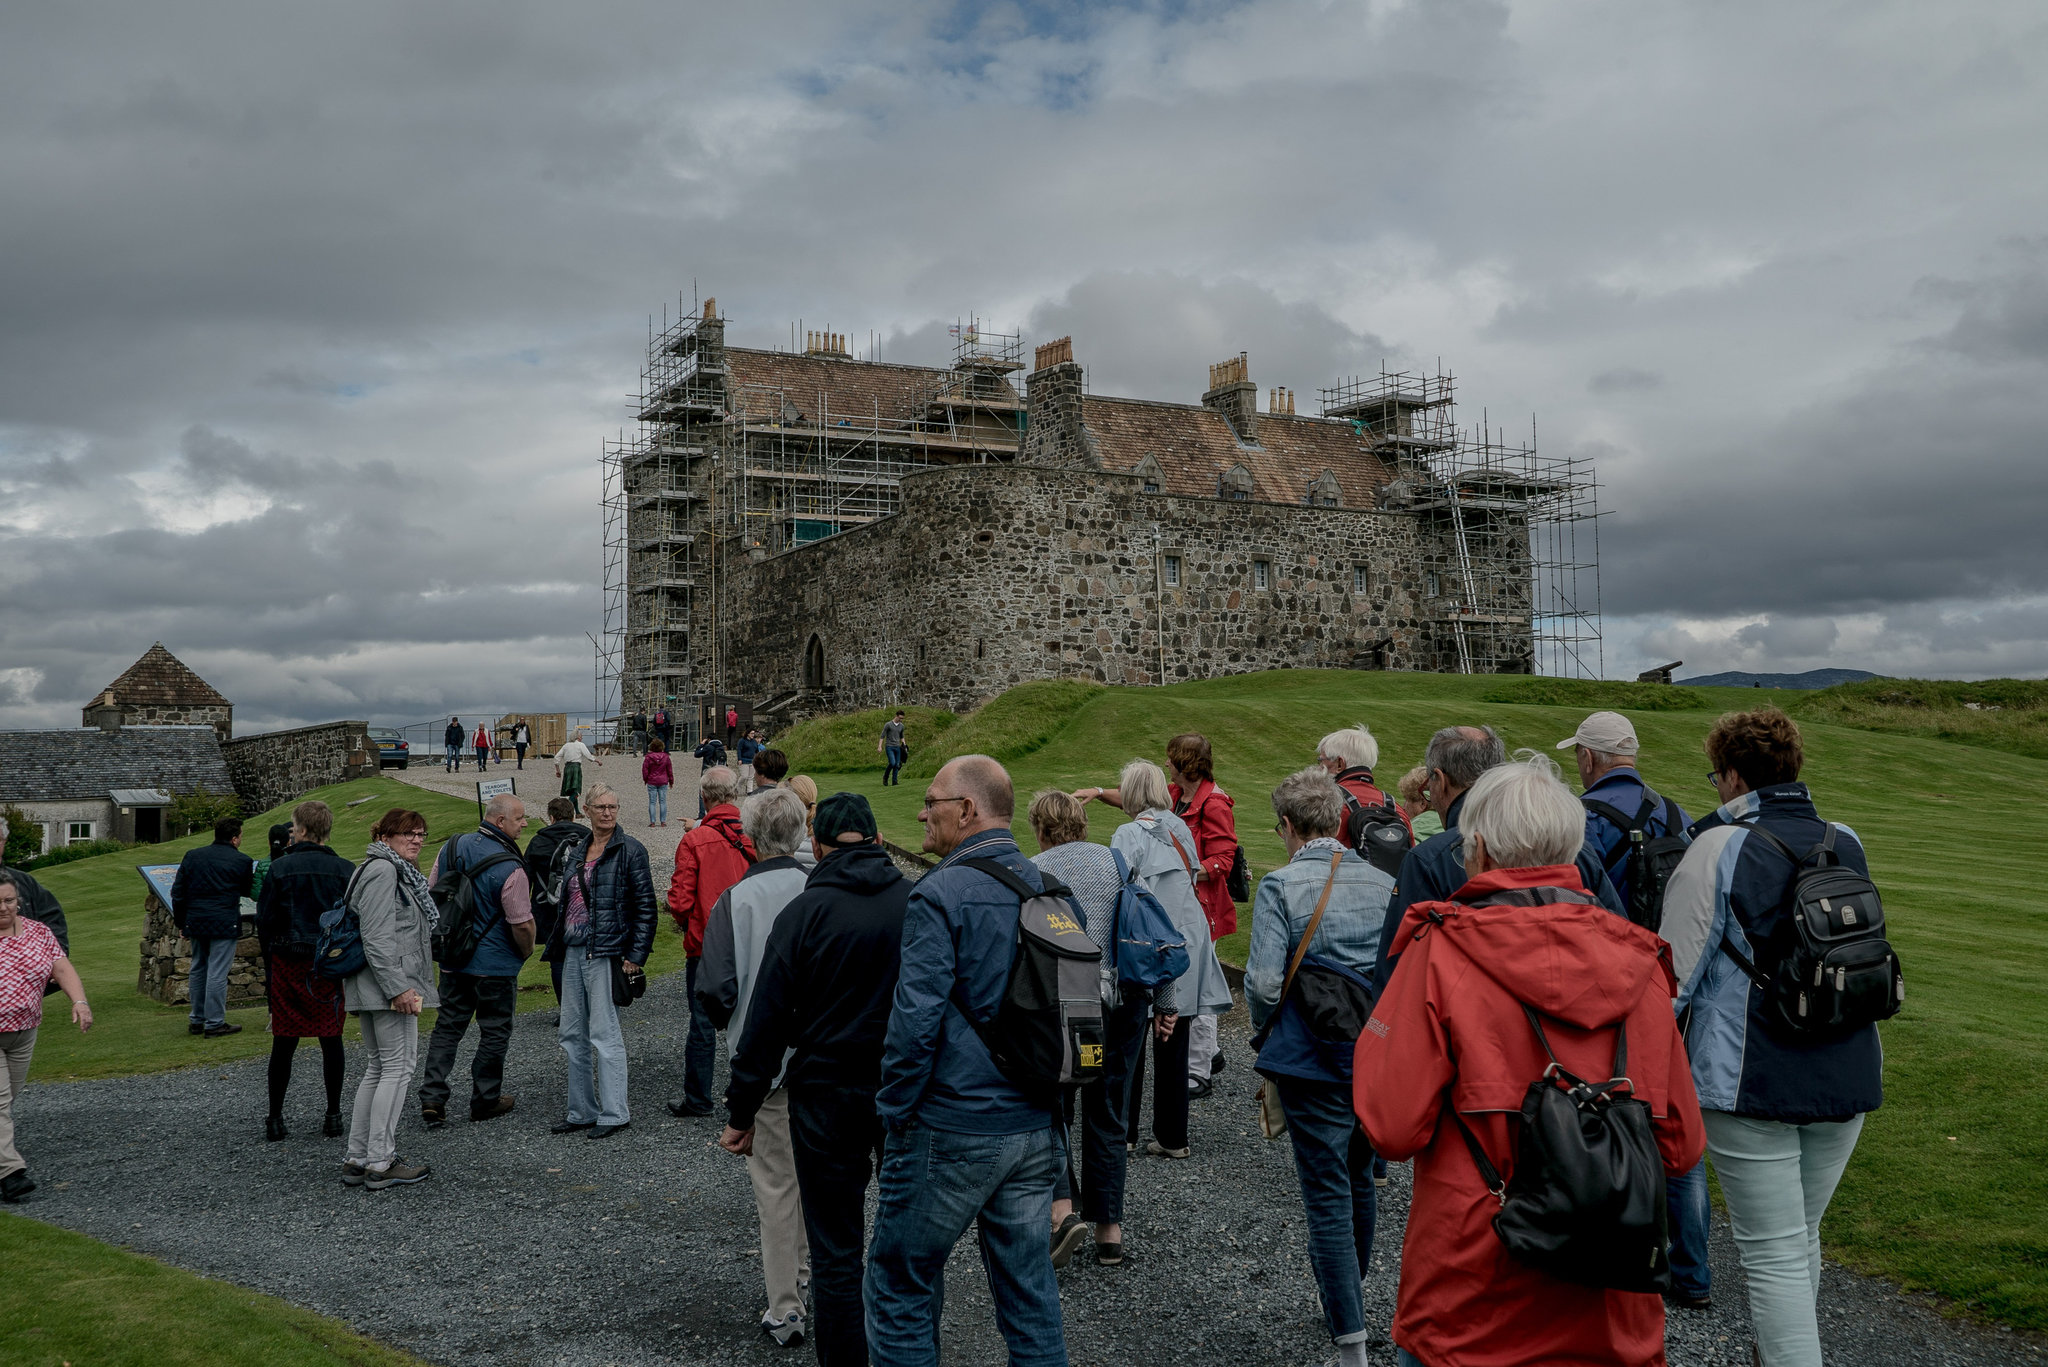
x: 735, y: 938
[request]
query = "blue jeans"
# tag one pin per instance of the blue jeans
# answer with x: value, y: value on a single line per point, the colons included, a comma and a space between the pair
x: 454, y: 757
x: 896, y: 755
x: 657, y: 803
x: 934, y: 1184
x: 590, y: 1026
x: 1689, y: 1211
x: 1334, y: 1161
x: 700, y: 1046
x: 208, y: 989
x: 1105, y: 1118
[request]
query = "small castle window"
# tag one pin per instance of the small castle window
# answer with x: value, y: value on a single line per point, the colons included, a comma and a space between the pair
x: 1262, y: 574
x: 979, y: 649
x: 1173, y: 571
x: 1361, y: 579
x: 1431, y: 585
x: 1151, y: 486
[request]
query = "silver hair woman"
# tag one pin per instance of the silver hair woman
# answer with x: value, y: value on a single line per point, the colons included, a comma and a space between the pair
x: 1520, y: 816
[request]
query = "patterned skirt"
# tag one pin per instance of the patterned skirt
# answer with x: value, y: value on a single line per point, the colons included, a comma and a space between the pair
x: 301, y: 1004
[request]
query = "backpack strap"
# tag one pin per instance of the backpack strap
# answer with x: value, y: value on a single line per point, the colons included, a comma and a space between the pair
x: 1008, y: 877
x: 1826, y: 848
x: 738, y: 843
x: 1322, y: 905
x: 1629, y: 826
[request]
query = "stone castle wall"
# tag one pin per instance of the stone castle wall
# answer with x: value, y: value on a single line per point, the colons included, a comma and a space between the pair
x: 165, y: 973
x: 221, y: 717
x: 280, y: 765
x: 994, y: 575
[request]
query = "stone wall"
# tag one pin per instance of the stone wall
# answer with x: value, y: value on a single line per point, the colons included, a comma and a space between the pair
x: 994, y: 575
x: 166, y: 972
x: 221, y: 717
x: 276, y: 767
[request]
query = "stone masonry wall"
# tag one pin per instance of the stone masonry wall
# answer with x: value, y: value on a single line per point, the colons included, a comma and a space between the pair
x: 994, y: 575
x: 280, y: 765
x: 165, y: 973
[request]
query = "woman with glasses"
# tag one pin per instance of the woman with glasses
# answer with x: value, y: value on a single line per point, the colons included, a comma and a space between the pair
x: 396, y: 914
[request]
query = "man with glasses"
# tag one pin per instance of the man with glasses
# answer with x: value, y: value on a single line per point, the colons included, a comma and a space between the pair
x: 487, y: 986
x: 946, y: 1105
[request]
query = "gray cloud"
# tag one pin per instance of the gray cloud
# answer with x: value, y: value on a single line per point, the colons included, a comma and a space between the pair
x: 1624, y: 380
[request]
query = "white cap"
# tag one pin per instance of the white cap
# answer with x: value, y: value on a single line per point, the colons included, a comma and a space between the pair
x: 1608, y: 731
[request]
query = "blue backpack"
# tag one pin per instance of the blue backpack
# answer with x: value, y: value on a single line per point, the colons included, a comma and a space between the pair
x: 338, y: 953
x: 1149, y: 950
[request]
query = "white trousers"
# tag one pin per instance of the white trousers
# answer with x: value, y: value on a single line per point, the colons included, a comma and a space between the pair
x: 785, y: 1248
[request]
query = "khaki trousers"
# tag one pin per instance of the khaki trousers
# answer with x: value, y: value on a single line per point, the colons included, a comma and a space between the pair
x: 15, y: 1048
x: 785, y: 1250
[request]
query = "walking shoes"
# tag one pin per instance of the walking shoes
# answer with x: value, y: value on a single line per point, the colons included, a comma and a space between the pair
x: 399, y: 1174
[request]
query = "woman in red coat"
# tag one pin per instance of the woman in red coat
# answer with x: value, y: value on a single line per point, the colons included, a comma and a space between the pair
x: 1449, y: 1035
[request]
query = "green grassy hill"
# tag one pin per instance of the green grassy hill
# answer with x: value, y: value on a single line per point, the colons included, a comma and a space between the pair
x: 1949, y: 1188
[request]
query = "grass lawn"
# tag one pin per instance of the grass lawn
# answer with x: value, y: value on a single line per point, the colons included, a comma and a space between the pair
x: 65, y: 1298
x: 1948, y: 1191
x: 103, y: 898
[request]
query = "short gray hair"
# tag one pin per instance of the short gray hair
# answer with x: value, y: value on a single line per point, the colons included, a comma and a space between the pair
x: 500, y: 807
x: 719, y: 786
x: 1354, y: 747
x: 774, y: 820
x: 598, y: 790
x: 1311, y: 802
x: 1141, y: 787
x: 1464, y: 753
x: 1526, y: 816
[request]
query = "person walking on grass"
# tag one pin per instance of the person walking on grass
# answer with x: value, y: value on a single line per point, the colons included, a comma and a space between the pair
x: 451, y: 741
x: 30, y: 960
x: 818, y: 1018
x: 397, y: 917
x: 710, y: 859
x: 1319, y: 915
x: 486, y: 987
x: 658, y: 772
x: 601, y: 939
x: 569, y: 762
x: 206, y: 904
x: 894, y: 751
x: 948, y: 1108
x: 735, y: 940
x: 1783, y: 1109
x: 1517, y: 970
x: 302, y: 885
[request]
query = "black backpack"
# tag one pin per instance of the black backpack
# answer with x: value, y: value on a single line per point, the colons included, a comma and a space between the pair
x: 459, y: 929
x: 1839, y: 973
x: 1656, y: 857
x: 1047, y: 1031
x: 1586, y: 1204
x: 1377, y: 833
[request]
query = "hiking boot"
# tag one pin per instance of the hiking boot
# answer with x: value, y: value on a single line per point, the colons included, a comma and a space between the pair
x: 399, y: 1174
x: 352, y: 1174
x: 502, y: 1106
x: 1158, y: 1150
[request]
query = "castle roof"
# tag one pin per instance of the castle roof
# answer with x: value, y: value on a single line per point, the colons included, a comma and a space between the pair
x: 65, y: 766
x: 1194, y: 446
x: 161, y: 679
x: 842, y: 386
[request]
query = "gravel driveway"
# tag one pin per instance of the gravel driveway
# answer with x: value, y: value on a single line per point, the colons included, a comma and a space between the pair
x: 529, y: 1248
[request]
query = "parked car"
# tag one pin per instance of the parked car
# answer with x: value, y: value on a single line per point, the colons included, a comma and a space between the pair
x: 393, y: 750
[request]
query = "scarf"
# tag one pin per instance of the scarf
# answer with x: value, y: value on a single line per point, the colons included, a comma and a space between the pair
x: 1323, y: 844
x: 411, y: 882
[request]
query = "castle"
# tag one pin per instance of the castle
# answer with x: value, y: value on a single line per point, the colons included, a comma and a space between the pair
x: 802, y: 532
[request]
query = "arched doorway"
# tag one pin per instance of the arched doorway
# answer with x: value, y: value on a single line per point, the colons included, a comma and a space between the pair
x: 814, y: 664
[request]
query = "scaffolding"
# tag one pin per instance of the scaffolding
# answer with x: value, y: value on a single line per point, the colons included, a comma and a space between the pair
x: 1511, y: 564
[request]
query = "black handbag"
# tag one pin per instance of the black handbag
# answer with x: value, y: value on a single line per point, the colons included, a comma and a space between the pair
x: 627, y: 988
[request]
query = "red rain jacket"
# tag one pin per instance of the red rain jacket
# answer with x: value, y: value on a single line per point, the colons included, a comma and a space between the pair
x: 1208, y: 814
x: 1449, y: 1031
x: 707, y: 863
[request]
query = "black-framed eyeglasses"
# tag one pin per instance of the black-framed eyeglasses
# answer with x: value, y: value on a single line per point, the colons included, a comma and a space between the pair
x: 935, y: 801
x: 1714, y: 780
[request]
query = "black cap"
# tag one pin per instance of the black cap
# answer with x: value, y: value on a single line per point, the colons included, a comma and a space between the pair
x: 841, y: 814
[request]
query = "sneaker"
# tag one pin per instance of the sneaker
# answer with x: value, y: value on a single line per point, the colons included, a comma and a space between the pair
x: 787, y: 1333
x: 1158, y: 1150
x: 352, y: 1174
x: 1069, y: 1237
x: 224, y: 1029
x: 398, y: 1174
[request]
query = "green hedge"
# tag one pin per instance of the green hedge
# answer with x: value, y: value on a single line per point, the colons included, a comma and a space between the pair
x: 77, y: 849
x: 1597, y: 693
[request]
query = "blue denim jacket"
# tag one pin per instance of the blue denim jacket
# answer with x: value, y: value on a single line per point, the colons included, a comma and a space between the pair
x: 959, y: 938
x: 1286, y: 899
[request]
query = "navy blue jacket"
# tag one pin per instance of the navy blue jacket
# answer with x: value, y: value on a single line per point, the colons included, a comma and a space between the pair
x: 496, y: 956
x: 1730, y: 885
x: 1435, y: 869
x: 959, y: 939
x: 619, y: 891
x: 1623, y: 789
x: 206, y: 896
x: 304, y: 882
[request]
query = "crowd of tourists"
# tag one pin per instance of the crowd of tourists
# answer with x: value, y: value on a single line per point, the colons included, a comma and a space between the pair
x: 1555, y: 1007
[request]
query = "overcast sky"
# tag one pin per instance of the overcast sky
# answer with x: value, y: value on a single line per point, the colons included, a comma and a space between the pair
x: 313, y: 317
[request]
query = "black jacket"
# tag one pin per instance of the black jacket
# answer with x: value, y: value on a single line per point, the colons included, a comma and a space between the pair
x: 451, y: 734
x: 619, y: 890
x: 38, y: 903
x: 305, y: 881
x: 540, y: 871
x: 206, y: 896
x: 828, y: 978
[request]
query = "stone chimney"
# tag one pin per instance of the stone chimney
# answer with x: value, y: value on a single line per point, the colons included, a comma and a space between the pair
x: 1232, y: 393
x: 103, y: 712
x: 1053, y: 431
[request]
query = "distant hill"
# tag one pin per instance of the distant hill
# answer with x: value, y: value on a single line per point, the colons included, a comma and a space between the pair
x: 1812, y: 678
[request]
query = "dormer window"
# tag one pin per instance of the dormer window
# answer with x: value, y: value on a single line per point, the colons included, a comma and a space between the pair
x: 1148, y: 470
x: 1235, y: 484
x: 1323, y: 491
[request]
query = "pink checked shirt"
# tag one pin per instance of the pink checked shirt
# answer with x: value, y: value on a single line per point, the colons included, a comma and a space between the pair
x: 25, y: 959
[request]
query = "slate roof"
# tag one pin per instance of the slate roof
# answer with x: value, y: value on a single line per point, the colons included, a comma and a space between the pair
x: 1195, y: 445
x: 161, y: 679
x: 853, y: 389
x: 69, y: 766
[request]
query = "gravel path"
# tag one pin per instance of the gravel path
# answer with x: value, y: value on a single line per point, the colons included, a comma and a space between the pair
x: 529, y: 1248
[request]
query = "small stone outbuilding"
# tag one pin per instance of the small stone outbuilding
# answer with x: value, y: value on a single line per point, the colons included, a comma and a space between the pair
x: 161, y: 690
